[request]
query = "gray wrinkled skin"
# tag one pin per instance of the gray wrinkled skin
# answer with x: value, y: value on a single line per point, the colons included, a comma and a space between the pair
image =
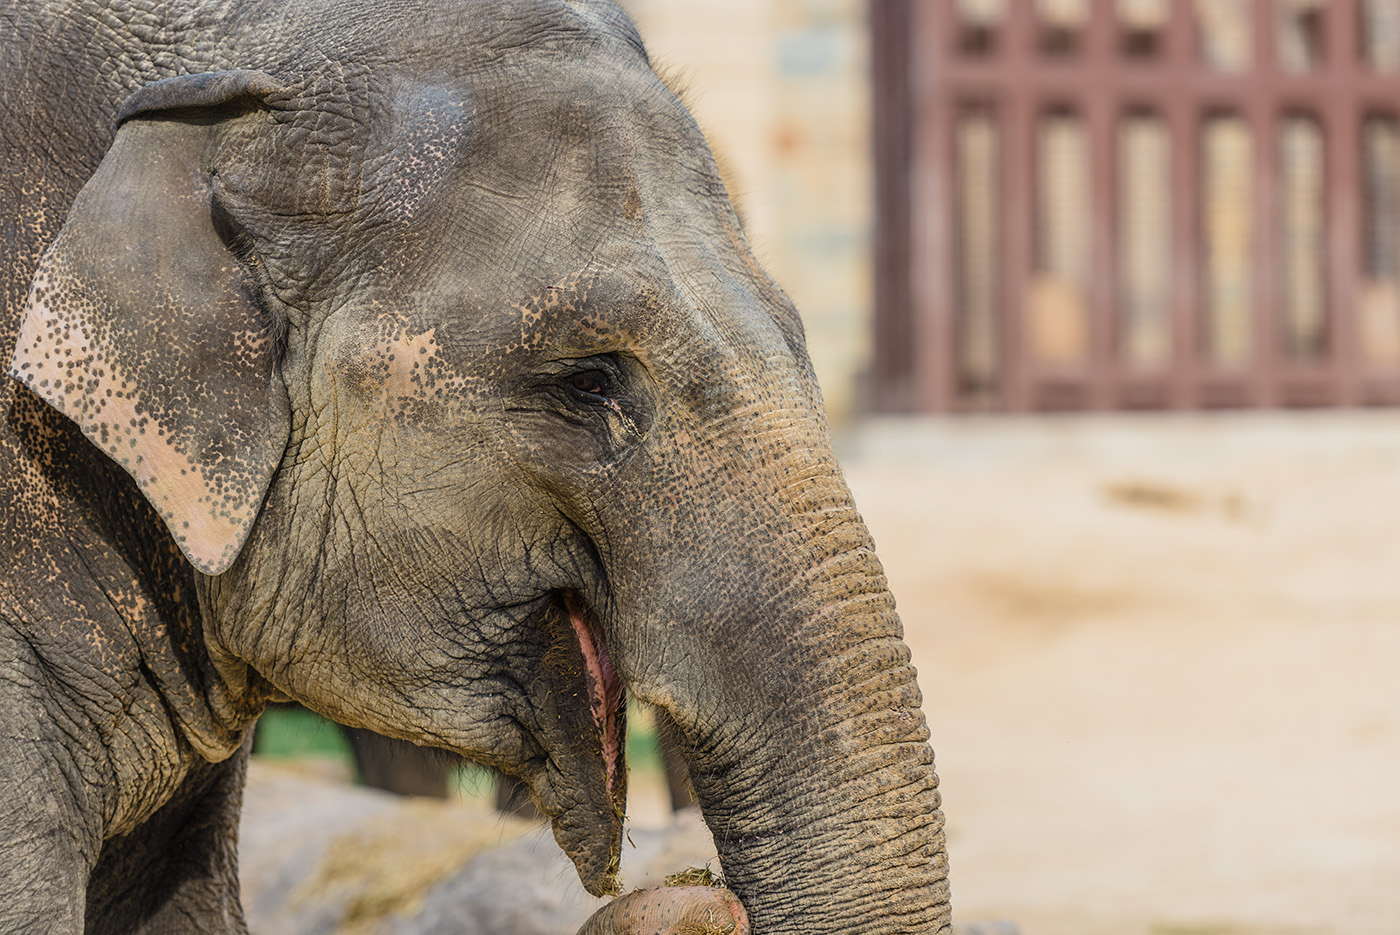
x: 408, y: 360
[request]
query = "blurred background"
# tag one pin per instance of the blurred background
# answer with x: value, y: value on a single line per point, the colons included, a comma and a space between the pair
x: 1104, y: 298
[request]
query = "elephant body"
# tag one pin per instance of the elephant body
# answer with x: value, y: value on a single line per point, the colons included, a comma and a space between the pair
x: 408, y: 361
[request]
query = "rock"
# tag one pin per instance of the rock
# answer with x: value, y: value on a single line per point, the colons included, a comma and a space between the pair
x: 324, y: 858
x: 529, y: 887
x: 321, y: 857
x: 999, y: 927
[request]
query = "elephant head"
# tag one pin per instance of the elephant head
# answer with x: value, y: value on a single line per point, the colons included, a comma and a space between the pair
x: 441, y: 353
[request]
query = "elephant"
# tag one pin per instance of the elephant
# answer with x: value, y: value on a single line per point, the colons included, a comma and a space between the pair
x: 408, y: 360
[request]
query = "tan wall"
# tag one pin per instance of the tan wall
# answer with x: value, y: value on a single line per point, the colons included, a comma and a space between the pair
x: 781, y: 90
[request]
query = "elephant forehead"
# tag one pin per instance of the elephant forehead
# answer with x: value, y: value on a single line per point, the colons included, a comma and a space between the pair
x: 429, y: 125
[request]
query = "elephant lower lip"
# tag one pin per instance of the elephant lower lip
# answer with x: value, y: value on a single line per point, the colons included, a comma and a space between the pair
x: 605, y: 689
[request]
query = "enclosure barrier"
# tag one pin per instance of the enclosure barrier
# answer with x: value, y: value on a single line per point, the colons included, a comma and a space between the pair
x: 1140, y: 204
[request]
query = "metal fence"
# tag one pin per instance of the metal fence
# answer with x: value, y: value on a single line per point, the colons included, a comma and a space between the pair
x: 1118, y: 204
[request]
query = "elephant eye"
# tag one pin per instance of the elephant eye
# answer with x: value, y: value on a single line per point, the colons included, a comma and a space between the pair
x: 595, y: 386
x: 590, y: 382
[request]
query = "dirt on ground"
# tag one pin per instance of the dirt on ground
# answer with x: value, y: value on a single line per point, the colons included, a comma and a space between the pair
x: 1159, y: 658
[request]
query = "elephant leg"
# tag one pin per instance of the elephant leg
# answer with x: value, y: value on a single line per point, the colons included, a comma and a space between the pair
x: 399, y: 766
x: 48, y: 840
x: 668, y: 738
x: 42, y: 869
x: 178, y: 871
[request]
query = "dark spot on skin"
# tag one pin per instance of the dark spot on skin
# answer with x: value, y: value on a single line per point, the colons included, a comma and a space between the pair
x: 632, y: 205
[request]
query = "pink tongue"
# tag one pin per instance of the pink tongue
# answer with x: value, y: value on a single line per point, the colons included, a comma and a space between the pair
x: 604, y: 687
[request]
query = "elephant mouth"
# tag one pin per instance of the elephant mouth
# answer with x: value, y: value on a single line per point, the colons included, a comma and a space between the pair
x: 606, y: 694
x: 583, y: 788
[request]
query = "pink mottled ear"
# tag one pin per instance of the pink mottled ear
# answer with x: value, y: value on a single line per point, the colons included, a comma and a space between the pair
x: 144, y: 329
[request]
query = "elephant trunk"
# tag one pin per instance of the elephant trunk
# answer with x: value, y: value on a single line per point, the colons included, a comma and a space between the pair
x: 837, y: 828
x: 810, y: 756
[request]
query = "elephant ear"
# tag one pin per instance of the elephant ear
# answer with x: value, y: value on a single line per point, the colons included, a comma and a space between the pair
x: 147, y: 331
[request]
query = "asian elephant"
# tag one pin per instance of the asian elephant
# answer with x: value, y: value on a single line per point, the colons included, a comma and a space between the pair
x: 406, y: 359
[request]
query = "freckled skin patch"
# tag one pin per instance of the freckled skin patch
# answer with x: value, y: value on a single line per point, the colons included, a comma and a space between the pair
x: 433, y: 123
x: 400, y: 371
x: 59, y: 359
x: 450, y: 317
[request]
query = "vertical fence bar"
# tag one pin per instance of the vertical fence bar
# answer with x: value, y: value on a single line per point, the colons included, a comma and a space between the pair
x: 1017, y: 206
x: 895, y: 362
x: 933, y: 294
x: 1183, y: 115
x: 1100, y: 122
x: 1260, y: 106
x: 1342, y: 151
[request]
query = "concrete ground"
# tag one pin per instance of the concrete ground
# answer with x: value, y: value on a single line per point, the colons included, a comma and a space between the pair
x: 1159, y: 657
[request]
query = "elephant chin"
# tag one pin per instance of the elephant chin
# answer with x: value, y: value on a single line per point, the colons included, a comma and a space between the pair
x: 594, y: 848
x: 587, y: 815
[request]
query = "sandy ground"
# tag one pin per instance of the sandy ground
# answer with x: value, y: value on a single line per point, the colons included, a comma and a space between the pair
x: 1159, y: 660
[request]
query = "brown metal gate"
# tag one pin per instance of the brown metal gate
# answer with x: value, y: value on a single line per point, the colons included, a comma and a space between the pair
x: 1115, y: 210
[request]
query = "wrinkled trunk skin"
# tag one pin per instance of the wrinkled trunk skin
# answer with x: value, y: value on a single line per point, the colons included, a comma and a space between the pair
x: 831, y: 823
x: 860, y: 846
x: 797, y: 704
